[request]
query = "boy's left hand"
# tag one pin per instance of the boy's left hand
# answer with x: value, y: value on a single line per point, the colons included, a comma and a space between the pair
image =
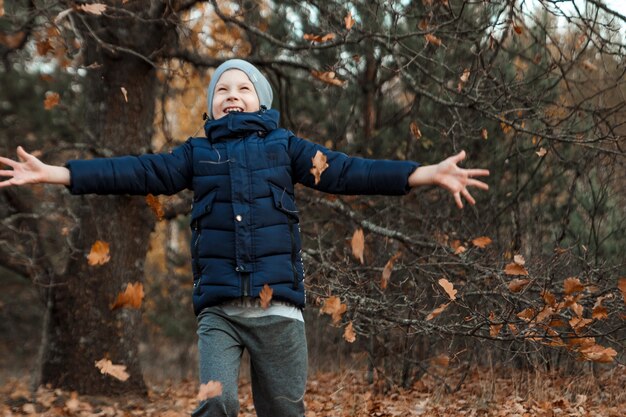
x: 448, y: 175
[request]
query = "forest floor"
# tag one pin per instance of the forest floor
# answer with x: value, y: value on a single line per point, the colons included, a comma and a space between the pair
x: 346, y: 393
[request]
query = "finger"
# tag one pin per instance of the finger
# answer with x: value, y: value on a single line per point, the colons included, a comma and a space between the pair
x: 468, y: 196
x: 7, y: 161
x: 6, y: 183
x: 6, y: 173
x: 477, y: 172
x: 477, y: 184
x: 22, y: 154
x: 457, y: 198
x: 458, y: 157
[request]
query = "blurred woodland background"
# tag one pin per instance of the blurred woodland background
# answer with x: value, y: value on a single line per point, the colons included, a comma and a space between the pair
x: 531, y: 278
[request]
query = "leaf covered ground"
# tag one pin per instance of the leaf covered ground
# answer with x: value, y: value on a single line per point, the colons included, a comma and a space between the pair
x: 343, y: 394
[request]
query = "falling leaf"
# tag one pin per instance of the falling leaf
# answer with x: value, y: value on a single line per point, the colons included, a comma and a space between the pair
x: 348, y: 333
x: 131, y: 297
x: 333, y: 307
x: 432, y: 39
x: 93, y: 8
x: 515, y: 269
x: 116, y: 371
x: 437, y: 311
x: 448, y: 287
x: 387, y: 270
x: 519, y: 259
x: 415, y: 130
x: 518, y: 285
x: 156, y: 206
x: 319, y: 165
x: 266, y: 296
x: 349, y: 21
x: 572, y: 285
x: 494, y: 329
x: 319, y: 38
x: 358, y: 244
x: 209, y: 390
x: 124, y: 93
x: 484, y: 133
x: 99, y: 254
x: 541, y: 152
x: 481, y: 242
x: 328, y: 77
x: 51, y: 101
x: 621, y: 285
x: 597, y: 353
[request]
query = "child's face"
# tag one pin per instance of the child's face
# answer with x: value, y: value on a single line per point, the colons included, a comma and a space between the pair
x: 234, y: 92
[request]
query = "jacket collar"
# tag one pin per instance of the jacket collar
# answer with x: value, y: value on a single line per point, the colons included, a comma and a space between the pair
x: 236, y: 125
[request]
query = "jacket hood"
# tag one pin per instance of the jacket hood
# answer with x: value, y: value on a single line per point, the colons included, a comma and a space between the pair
x: 236, y: 125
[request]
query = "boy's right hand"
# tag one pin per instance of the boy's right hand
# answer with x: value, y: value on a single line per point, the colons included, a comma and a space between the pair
x: 31, y: 170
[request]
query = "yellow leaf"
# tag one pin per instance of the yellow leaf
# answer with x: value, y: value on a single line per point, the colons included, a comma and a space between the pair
x: 328, y: 77
x: 415, y: 130
x: 319, y: 166
x: 437, y: 311
x: 131, y: 297
x: 482, y: 242
x: 116, y: 371
x: 572, y: 285
x: 518, y: 285
x: 358, y: 244
x: 348, y: 334
x: 51, y: 101
x: 93, y: 8
x: 209, y: 390
x: 266, y: 296
x: 432, y: 39
x: 349, y: 21
x: 333, y: 307
x: 99, y: 254
x: 515, y: 269
x: 448, y: 287
x: 387, y: 270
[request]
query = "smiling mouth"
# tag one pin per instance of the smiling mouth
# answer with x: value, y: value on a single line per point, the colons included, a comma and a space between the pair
x: 233, y: 110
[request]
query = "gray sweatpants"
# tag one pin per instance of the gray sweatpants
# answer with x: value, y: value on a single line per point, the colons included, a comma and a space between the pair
x: 278, y: 363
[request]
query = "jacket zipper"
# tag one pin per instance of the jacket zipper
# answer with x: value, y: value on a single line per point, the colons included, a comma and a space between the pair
x: 195, y: 252
x: 293, y: 253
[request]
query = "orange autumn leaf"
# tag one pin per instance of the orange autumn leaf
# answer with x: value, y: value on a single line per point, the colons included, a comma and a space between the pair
x: 432, y: 39
x: 515, y: 269
x: 599, y: 311
x: 358, y: 244
x: 44, y: 46
x: 348, y: 21
x: 548, y: 298
x: 494, y: 329
x: 93, y: 8
x: 448, y: 287
x: 578, y: 323
x: 415, y: 130
x: 51, y: 101
x: 527, y: 314
x: 209, y: 390
x: 437, y: 311
x: 482, y: 242
x: 518, y: 285
x: 348, y: 333
x: 387, y: 270
x: 597, y: 353
x: 328, y: 77
x: 572, y: 285
x: 319, y: 166
x: 518, y: 29
x: 1, y: 8
x: 131, y: 297
x: 266, y: 296
x: 333, y: 307
x: 458, y: 248
x: 156, y: 206
x: 116, y: 371
x: 441, y: 360
x: 319, y: 38
x: 99, y: 254
x: 621, y: 285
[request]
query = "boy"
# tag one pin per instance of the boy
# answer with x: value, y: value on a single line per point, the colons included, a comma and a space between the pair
x: 245, y: 233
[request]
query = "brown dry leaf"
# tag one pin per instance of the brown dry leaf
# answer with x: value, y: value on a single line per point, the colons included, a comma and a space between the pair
x: 124, y: 93
x: 578, y: 323
x: 12, y: 40
x: 597, y: 353
x: 266, y: 296
x: 541, y: 152
x: 349, y: 21
x: 441, y: 360
x: 328, y: 77
x: 99, y: 254
x: 93, y: 8
x: 484, y: 133
x: 518, y: 29
x: 437, y: 311
x: 358, y: 244
x: 572, y: 285
x: 494, y: 329
x: 458, y: 248
x: 465, y: 76
x: 432, y: 39
x: 333, y: 307
x: 43, y: 46
x: 482, y: 242
x: 116, y: 371
x: 590, y: 66
x: 577, y: 309
x: 319, y: 38
x: 348, y: 333
x: 51, y: 101
x: 515, y: 269
x: 209, y: 390
x: 131, y: 297
x: 156, y: 206
x: 518, y: 285
x: 388, y: 269
x: 544, y: 314
x: 448, y: 287
x: 415, y: 130
x: 519, y: 259
x: 548, y: 298
x: 1, y: 8
x: 319, y: 166
x: 600, y: 312
x: 621, y: 285
x: 526, y: 314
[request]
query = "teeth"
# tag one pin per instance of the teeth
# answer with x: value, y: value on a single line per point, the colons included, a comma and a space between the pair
x: 232, y: 110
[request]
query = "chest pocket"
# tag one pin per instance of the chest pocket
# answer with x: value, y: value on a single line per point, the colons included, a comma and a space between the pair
x: 284, y: 201
x: 211, y: 160
x: 203, y: 205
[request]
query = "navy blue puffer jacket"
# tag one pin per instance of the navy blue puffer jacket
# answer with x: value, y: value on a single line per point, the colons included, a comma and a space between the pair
x: 244, y: 217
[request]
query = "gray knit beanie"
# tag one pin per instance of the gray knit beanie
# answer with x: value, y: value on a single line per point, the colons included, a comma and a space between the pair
x: 260, y: 83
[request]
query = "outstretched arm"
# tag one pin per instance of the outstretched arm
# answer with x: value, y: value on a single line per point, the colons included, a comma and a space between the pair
x: 448, y: 175
x: 30, y: 170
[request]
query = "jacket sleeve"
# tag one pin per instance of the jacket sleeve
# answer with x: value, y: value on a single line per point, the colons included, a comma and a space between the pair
x: 166, y: 173
x: 349, y: 175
